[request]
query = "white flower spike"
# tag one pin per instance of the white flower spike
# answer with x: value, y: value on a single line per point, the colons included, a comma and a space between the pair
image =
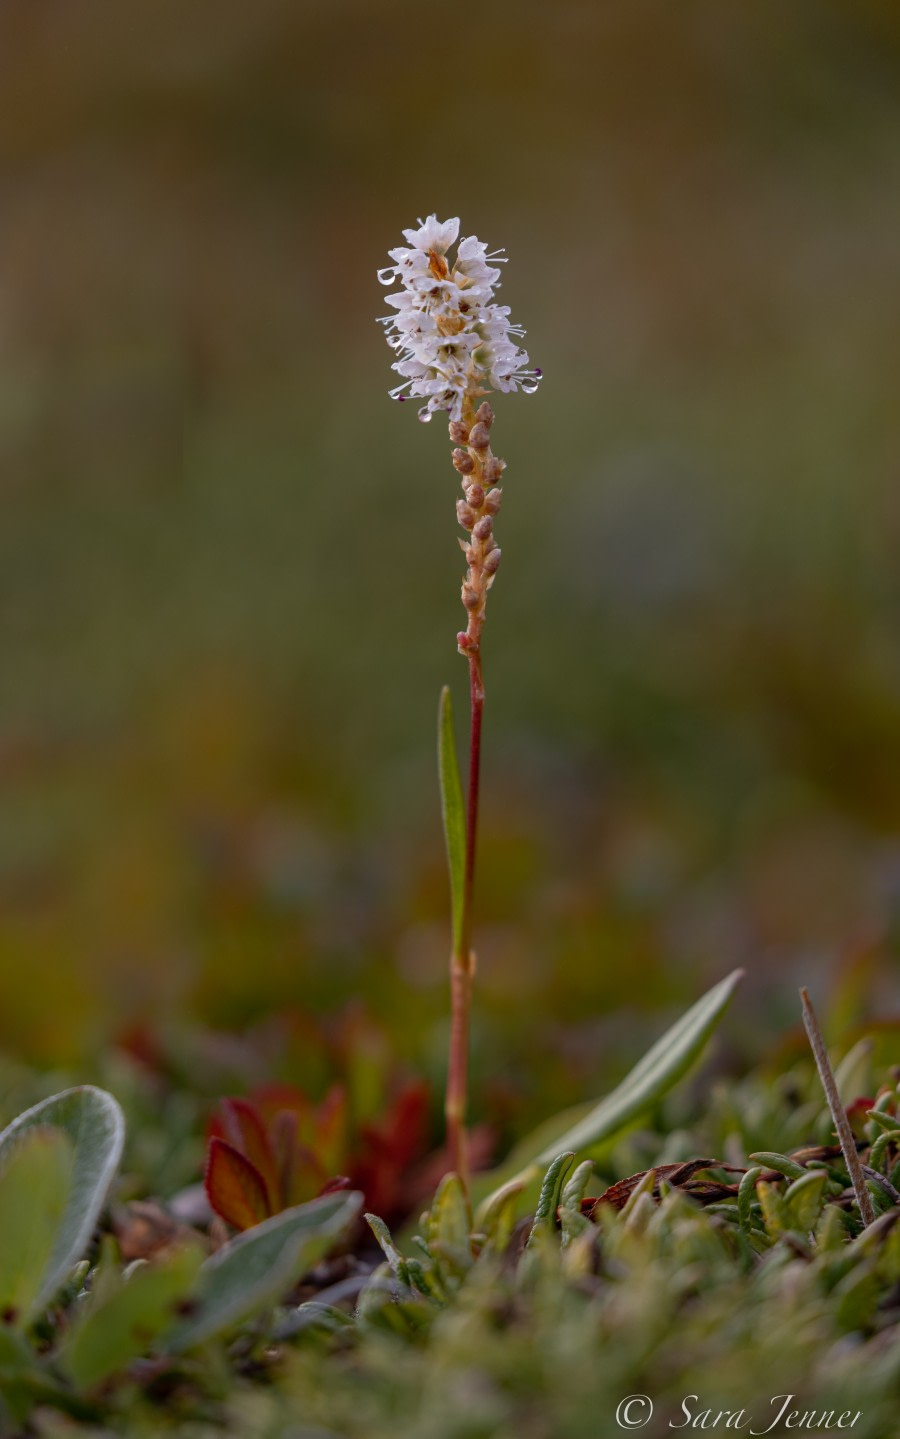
x: 454, y: 342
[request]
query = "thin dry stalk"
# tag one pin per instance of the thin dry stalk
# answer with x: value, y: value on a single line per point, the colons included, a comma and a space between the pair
x: 838, y: 1112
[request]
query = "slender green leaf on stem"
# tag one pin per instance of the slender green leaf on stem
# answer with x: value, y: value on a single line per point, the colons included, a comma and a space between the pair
x: 452, y: 811
x: 661, y: 1068
x: 94, y: 1126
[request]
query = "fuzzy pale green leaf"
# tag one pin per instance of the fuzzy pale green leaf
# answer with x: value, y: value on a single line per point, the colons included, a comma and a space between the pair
x: 34, y: 1183
x: 258, y: 1267
x: 94, y: 1127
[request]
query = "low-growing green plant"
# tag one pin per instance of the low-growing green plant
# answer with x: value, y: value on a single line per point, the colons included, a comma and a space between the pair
x: 720, y: 1276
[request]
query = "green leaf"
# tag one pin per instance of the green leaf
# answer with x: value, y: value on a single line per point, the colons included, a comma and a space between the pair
x: 775, y: 1216
x: 661, y: 1068
x: 448, y: 1226
x: 123, y: 1325
x: 399, y: 1265
x: 884, y: 1142
x: 452, y: 812
x: 883, y: 1119
x: 853, y: 1076
x: 804, y: 1198
x: 575, y: 1188
x: 747, y: 1196
x: 34, y: 1182
x: 93, y: 1125
x: 497, y: 1217
x: 573, y: 1224
x: 19, y: 1377
x: 258, y: 1267
x: 854, y: 1298
x: 551, y: 1190
x: 781, y: 1163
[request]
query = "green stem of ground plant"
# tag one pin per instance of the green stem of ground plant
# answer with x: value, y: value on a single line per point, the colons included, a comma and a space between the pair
x: 462, y: 962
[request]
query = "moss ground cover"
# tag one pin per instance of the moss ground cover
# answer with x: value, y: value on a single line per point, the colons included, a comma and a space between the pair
x: 706, y: 1264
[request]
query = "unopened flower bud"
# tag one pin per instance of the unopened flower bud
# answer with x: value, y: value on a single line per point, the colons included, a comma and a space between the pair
x: 483, y: 528
x: 470, y: 597
x: 465, y: 515
x: 492, y: 562
x: 493, y: 470
x: 484, y: 414
x: 459, y: 433
x: 475, y: 495
x: 463, y: 462
x: 480, y: 436
x: 492, y: 501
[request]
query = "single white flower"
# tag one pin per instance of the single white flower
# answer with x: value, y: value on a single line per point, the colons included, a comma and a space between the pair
x: 454, y: 342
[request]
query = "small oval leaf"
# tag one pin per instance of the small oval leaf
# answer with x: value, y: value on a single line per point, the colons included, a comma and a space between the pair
x: 235, y: 1188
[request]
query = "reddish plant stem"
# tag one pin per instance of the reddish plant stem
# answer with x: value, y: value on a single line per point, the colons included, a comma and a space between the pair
x: 462, y: 963
x: 476, y: 693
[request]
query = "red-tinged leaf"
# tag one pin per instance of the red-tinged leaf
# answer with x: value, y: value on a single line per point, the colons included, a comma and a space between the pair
x: 283, y: 1130
x: 340, y: 1181
x: 234, y: 1186
x: 680, y: 1176
x: 381, y: 1167
x: 401, y: 1136
x: 242, y: 1126
x: 271, y: 1098
x: 858, y: 1114
x: 331, y: 1129
x: 307, y: 1176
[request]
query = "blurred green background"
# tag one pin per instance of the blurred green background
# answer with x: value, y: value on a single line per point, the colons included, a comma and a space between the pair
x: 228, y: 565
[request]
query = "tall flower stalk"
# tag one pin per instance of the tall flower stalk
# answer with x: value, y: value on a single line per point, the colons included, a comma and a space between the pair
x: 455, y: 346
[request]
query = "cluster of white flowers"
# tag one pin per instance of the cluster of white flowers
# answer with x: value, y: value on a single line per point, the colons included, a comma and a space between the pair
x: 452, y: 339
